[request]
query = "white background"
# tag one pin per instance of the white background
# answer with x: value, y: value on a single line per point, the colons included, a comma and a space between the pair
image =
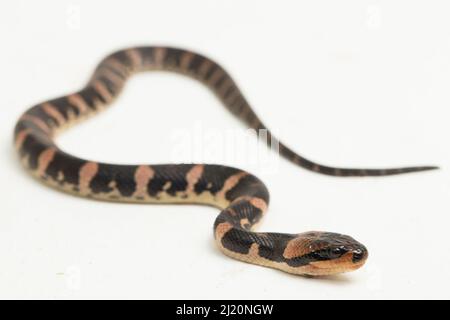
x: 350, y: 83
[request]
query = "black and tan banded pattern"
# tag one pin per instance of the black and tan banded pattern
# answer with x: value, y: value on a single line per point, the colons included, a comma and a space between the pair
x: 242, y: 197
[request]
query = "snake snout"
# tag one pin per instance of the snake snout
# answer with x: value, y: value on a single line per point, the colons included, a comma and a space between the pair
x: 345, y: 250
x: 360, y: 254
x: 354, y: 250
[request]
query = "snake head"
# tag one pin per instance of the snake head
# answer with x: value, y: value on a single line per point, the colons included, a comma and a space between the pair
x: 324, y: 253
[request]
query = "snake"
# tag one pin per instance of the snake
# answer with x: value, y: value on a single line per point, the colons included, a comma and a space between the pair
x: 241, y: 197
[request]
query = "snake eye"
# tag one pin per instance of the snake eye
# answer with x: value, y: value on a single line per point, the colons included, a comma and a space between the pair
x: 338, y: 251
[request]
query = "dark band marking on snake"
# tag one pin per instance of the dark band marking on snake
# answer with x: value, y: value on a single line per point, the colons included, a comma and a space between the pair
x: 242, y: 198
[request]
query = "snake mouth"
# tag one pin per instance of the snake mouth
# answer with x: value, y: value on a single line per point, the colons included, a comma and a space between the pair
x: 348, y: 262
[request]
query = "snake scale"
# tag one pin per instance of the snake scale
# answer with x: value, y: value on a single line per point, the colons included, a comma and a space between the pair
x: 241, y: 197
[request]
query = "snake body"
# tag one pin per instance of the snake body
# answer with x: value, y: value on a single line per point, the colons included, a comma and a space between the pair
x: 241, y: 197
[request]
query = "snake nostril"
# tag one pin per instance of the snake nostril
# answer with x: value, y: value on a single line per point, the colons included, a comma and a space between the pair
x: 358, y: 255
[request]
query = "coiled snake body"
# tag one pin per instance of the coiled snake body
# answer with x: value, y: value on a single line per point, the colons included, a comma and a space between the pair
x: 242, y: 197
